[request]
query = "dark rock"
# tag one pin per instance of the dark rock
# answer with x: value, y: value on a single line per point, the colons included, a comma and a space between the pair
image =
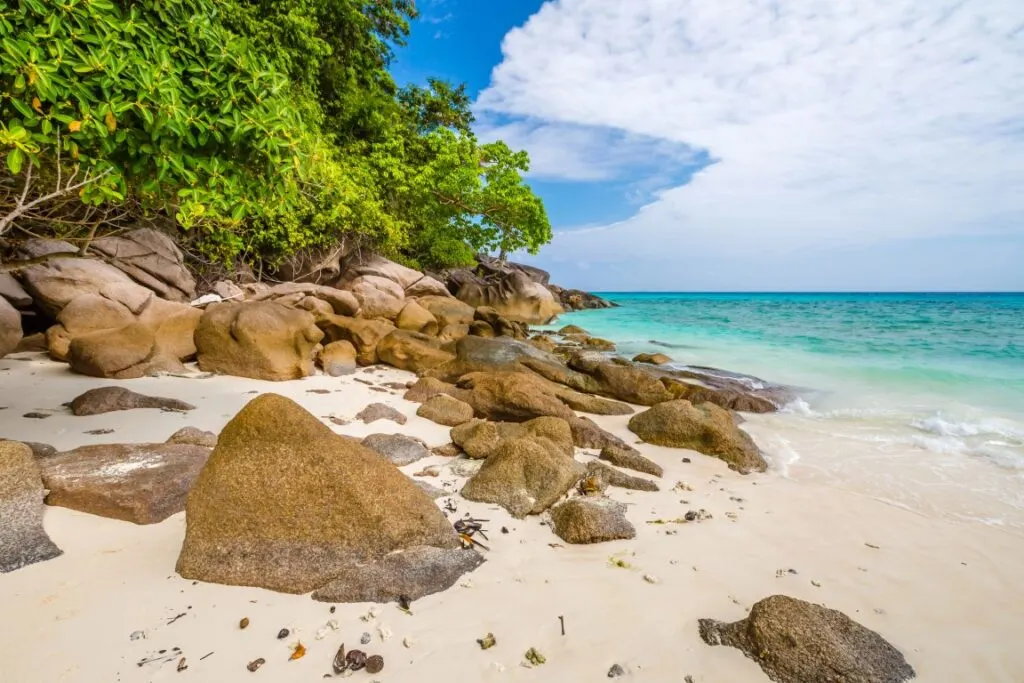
x: 380, y: 411
x: 446, y: 410
x: 481, y: 328
x: 578, y: 300
x: 630, y: 459
x: 13, y: 292
x: 286, y: 504
x: 23, y: 541
x: 706, y: 429
x: 110, y: 399
x: 140, y: 483
x: 614, y: 477
x: 591, y: 520
x: 799, y: 642
x: 399, y: 449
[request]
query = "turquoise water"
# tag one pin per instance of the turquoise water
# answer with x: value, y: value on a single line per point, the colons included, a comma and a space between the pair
x: 932, y: 382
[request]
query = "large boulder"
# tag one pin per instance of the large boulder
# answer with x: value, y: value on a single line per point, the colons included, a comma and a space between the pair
x: 84, y: 315
x: 427, y: 286
x: 480, y: 354
x: 111, y: 399
x: 512, y: 396
x: 799, y: 642
x: 705, y: 428
x: 415, y: 318
x: 10, y: 327
x: 480, y: 438
x: 302, y: 294
x: 725, y: 397
x: 526, y: 475
x: 591, y: 520
x: 285, y: 504
x: 447, y: 310
x: 261, y: 340
x: 152, y: 259
x: 23, y: 541
x: 412, y: 351
x: 139, y: 483
x: 446, y: 410
x: 577, y: 299
x: 507, y: 289
x: 363, y: 334
x: 338, y: 358
x: 378, y: 297
x: 620, y: 379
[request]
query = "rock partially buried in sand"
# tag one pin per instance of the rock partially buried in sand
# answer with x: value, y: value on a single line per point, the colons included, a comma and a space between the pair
x: 400, y: 450
x: 380, y: 411
x: 194, y: 437
x: 139, y: 483
x: 705, y: 428
x: 591, y: 520
x: 23, y: 541
x: 630, y: 459
x: 800, y: 642
x: 614, y: 477
x: 286, y: 504
x: 111, y: 399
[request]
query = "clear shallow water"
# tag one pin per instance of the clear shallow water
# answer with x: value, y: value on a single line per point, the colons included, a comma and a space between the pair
x: 914, y: 398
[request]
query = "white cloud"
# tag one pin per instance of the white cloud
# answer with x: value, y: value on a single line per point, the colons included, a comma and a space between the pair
x: 836, y: 123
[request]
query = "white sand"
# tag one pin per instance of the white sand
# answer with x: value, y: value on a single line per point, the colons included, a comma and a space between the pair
x: 949, y: 595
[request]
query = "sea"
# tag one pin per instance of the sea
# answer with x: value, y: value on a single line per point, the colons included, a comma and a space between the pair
x: 914, y: 399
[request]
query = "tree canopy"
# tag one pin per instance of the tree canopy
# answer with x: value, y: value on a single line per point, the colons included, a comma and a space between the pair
x: 257, y: 128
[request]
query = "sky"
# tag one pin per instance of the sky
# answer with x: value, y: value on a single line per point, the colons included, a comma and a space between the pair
x: 754, y: 145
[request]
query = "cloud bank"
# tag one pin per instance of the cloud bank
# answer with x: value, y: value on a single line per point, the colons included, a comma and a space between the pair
x: 877, y: 130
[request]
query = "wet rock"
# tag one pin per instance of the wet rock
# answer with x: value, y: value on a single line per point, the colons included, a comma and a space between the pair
x: 731, y: 399
x: 338, y: 358
x: 591, y: 520
x: 614, y: 477
x: 446, y: 410
x: 630, y: 459
x: 111, y: 399
x: 23, y: 541
x: 799, y: 642
x: 366, y: 533
x: 619, y: 379
x: 572, y: 330
x: 380, y: 411
x: 261, y: 340
x: 194, y: 437
x: 412, y: 351
x: 399, y: 449
x: 598, y: 344
x: 526, y: 475
x: 706, y: 428
x: 139, y: 483
x: 652, y: 358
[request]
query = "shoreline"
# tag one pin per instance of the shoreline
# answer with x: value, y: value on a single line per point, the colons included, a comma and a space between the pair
x: 116, y: 578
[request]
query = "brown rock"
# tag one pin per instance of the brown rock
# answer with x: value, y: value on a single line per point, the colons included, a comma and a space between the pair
x: 10, y: 328
x: 591, y: 520
x: 15, y: 294
x: 380, y: 411
x: 338, y: 358
x: 512, y: 396
x: 446, y: 410
x: 587, y: 434
x: 286, y: 504
x: 428, y: 387
x: 481, y: 328
x: 378, y: 297
x: 573, y: 329
x: 614, y: 477
x: 124, y: 353
x: 622, y: 381
x: 652, y: 358
x: 339, y: 301
x: 427, y: 286
x: 447, y: 310
x: 525, y: 475
x: 86, y: 314
x: 500, y: 325
x: 412, y: 351
x: 479, y: 438
x: 415, y: 318
x: 598, y: 344
x: 152, y: 259
x: 398, y: 449
x: 140, y: 483
x: 33, y: 343
x: 731, y: 399
x: 193, y: 436
x: 511, y: 293
x: 453, y: 332
x: 110, y: 399
x: 799, y: 642
x: 23, y: 541
x: 705, y: 428
x: 630, y: 459
x: 363, y: 334
x: 261, y: 340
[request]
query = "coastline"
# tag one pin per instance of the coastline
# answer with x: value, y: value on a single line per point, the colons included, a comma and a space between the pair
x: 116, y: 578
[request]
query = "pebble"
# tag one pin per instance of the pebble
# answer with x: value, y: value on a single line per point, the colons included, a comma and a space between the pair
x: 138, y: 635
x: 487, y: 642
x: 374, y: 664
x: 651, y: 578
x: 385, y: 632
x: 282, y: 634
x: 408, y: 642
x: 616, y: 671
x: 244, y: 623
x: 365, y: 639
x: 255, y: 664
x: 371, y: 615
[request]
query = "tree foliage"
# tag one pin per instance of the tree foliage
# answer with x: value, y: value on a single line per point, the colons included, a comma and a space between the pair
x: 259, y: 127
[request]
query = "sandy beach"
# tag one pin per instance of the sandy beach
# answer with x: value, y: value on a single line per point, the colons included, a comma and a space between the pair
x: 946, y: 594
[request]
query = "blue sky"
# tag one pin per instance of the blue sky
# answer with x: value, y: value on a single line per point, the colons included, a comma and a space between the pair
x: 753, y: 145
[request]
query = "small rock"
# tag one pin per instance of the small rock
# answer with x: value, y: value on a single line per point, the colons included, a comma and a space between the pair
x: 137, y: 635
x: 36, y: 416
x: 487, y: 642
x: 255, y: 664
x: 365, y: 638
x: 374, y: 664
x: 384, y: 632
x: 650, y: 578
x: 282, y: 634
x: 356, y: 660
x: 616, y: 671
x: 407, y: 642
x: 399, y: 449
x: 99, y: 432
x: 244, y: 623
x: 535, y: 658
x: 111, y: 399
x: 380, y: 411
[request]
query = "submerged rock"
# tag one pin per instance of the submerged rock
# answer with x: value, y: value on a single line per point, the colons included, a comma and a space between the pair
x: 23, y: 541
x: 286, y: 504
x: 799, y: 642
x: 111, y: 399
x: 706, y: 428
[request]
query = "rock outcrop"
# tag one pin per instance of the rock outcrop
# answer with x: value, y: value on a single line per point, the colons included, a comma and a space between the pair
x: 261, y: 340
x: 799, y: 642
x: 412, y: 351
x: 152, y: 259
x: 591, y: 520
x: 23, y: 541
x: 286, y: 504
x: 111, y: 399
x: 447, y: 311
x: 508, y: 288
x: 704, y: 428
x: 139, y: 483
x: 577, y: 299
x: 309, y: 297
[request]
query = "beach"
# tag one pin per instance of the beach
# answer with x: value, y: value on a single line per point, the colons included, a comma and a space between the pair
x: 945, y: 593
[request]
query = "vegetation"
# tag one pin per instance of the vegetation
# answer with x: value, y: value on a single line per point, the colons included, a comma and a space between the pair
x: 257, y: 128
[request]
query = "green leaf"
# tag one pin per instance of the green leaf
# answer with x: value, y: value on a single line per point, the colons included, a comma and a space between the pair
x: 15, y: 159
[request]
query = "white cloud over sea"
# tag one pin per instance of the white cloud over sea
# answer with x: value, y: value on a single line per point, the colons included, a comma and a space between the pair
x: 855, y: 142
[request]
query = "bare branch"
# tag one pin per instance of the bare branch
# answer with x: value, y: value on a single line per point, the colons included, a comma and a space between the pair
x: 22, y: 208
